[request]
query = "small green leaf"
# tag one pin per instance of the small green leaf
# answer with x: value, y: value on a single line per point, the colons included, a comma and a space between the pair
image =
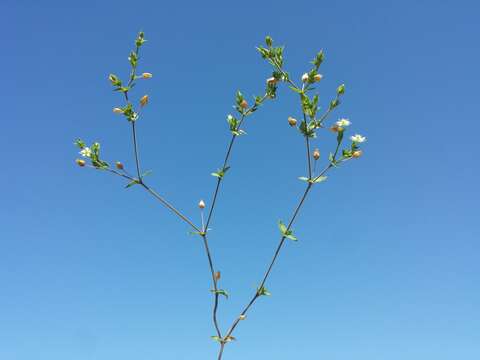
x: 146, y: 173
x: 217, y: 338
x: 220, y: 292
x: 229, y: 338
x: 291, y: 237
x: 282, y: 227
x: 80, y: 143
x: 131, y: 183
x: 303, y: 178
x: 262, y: 291
x: 297, y: 90
x: 320, y: 179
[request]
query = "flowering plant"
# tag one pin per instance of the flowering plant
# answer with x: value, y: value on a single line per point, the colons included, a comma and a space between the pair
x: 310, y: 123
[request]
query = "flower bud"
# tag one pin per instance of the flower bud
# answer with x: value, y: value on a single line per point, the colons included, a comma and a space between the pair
x: 316, y: 154
x: 271, y: 81
x: 292, y: 121
x: 317, y: 77
x: 305, y: 77
x: 114, y: 80
x: 119, y: 165
x: 242, y: 317
x: 244, y: 104
x: 217, y: 275
x: 144, y: 100
x: 117, y: 110
x: 336, y: 128
x: 201, y: 204
x: 341, y: 89
x: 80, y: 162
x: 146, y: 75
x: 357, y: 153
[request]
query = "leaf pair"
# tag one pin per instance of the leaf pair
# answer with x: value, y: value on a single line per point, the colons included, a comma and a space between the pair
x: 286, y: 232
x: 221, y: 172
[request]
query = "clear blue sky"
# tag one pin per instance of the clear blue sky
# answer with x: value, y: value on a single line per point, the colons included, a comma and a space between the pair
x: 387, y: 266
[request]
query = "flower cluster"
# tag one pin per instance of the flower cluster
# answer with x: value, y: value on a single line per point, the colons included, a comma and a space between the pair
x: 92, y: 153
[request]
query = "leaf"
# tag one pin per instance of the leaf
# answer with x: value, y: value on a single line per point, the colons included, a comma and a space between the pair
x: 146, y: 173
x: 217, y: 338
x: 262, y: 291
x: 282, y: 227
x: 297, y: 90
x: 131, y: 183
x: 303, y: 178
x: 220, y: 292
x: 291, y: 237
x: 230, y: 338
x: 220, y: 172
x: 320, y: 179
x: 80, y: 143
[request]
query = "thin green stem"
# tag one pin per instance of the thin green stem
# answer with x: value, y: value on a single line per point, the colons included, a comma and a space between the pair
x: 170, y: 206
x: 135, y: 150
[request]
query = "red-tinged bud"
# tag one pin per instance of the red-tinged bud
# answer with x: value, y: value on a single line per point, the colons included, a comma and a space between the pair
x: 119, y: 165
x: 144, y: 100
x: 357, y: 153
x: 80, y: 162
x: 292, y: 121
x: 201, y: 204
x: 316, y: 154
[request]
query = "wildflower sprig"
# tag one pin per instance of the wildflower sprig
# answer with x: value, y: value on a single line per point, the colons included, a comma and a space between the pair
x: 309, y: 127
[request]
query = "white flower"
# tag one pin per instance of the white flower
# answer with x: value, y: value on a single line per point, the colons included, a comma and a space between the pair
x: 343, y: 123
x: 358, y: 138
x: 86, y: 152
x: 305, y: 77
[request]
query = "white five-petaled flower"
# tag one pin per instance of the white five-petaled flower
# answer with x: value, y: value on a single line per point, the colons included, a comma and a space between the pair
x: 357, y: 138
x: 86, y: 152
x: 343, y: 123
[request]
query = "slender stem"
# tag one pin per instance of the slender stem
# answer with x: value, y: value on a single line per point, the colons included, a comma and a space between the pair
x: 219, y: 180
x: 220, y: 354
x: 209, y: 218
x: 170, y: 206
x: 214, y: 282
x: 135, y: 149
x: 309, y: 160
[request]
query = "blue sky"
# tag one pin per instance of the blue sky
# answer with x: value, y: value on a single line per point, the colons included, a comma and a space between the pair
x: 387, y: 263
